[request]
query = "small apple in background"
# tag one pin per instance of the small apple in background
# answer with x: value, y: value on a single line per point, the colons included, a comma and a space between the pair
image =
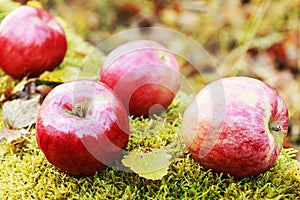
x: 236, y: 125
x: 144, y: 74
x: 82, y: 127
x: 31, y: 42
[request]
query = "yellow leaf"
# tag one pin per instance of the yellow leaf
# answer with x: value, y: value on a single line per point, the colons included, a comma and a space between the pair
x: 155, y: 175
x: 34, y: 4
x: 153, y: 164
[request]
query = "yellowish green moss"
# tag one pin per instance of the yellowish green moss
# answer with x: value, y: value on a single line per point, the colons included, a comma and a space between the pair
x: 26, y: 174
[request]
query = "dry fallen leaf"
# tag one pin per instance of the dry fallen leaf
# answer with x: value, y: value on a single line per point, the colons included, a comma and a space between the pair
x: 11, y: 135
x: 21, y: 113
x: 153, y: 164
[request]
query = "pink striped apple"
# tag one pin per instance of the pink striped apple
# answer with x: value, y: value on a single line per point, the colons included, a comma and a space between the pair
x: 144, y: 74
x: 236, y: 126
x: 82, y: 127
x: 31, y: 42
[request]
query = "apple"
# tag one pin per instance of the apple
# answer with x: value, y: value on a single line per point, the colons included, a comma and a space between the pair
x: 82, y: 127
x: 31, y: 41
x: 236, y: 126
x: 144, y: 74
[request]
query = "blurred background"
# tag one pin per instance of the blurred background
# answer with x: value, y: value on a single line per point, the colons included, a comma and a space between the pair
x: 253, y: 38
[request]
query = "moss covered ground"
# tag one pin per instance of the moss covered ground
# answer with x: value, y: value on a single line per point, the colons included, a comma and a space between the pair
x: 26, y: 174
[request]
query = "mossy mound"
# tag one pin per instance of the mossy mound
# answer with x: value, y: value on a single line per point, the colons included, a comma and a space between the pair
x: 26, y: 174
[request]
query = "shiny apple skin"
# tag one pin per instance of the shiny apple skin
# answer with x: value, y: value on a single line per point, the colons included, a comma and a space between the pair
x: 144, y: 74
x: 31, y: 41
x: 82, y: 145
x: 233, y: 126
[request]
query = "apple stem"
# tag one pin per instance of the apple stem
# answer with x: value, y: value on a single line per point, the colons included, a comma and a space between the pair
x: 275, y: 128
x: 79, y: 111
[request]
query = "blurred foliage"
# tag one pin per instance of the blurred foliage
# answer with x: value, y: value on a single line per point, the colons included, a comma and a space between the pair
x: 219, y: 26
x: 252, y: 38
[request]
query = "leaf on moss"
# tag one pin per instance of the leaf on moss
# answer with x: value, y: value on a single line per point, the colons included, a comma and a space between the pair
x: 21, y: 113
x: 152, y: 164
x: 11, y: 135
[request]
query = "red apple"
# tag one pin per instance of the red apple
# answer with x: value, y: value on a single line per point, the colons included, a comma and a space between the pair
x: 31, y: 42
x: 236, y: 125
x: 82, y: 127
x: 144, y: 74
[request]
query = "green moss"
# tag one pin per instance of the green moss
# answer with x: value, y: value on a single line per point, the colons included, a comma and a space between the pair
x: 26, y: 174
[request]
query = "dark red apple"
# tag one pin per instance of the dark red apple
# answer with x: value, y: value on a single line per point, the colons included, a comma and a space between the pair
x: 31, y: 42
x: 144, y: 74
x: 236, y: 125
x: 82, y: 127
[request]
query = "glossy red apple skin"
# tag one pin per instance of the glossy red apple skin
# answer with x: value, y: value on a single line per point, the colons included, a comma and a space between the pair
x: 82, y: 145
x: 236, y: 126
x: 144, y: 74
x: 31, y: 41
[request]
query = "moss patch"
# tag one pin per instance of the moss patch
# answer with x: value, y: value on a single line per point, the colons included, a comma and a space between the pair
x: 26, y: 174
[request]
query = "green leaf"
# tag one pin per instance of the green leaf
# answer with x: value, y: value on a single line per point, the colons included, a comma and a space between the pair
x: 70, y: 73
x: 64, y: 74
x: 151, y: 164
